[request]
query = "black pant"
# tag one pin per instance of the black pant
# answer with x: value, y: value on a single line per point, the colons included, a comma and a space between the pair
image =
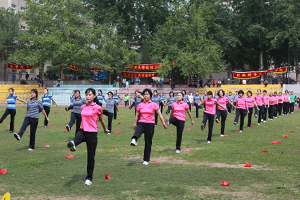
x: 234, y: 103
x: 47, y: 110
x: 190, y: 106
x: 279, y: 110
x: 275, y: 110
x: 161, y: 107
x: 110, y: 117
x: 132, y: 105
x: 91, y: 144
x: 115, y: 111
x: 292, y: 106
x: 256, y: 111
x: 77, y: 117
x: 126, y: 103
x: 33, y: 122
x: 250, y: 116
x: 148, y: 129
x: 180, y: 126
x: 197, y: 109
x: 223, y: 114
x: 210, y: 119
x: 271, y: 112
x: 260, y: 113
x: 229, y: 107
x: 12, y: 113
x: 156, y: 117
x: 285, y: 107
x: 265, y: 112
x: 242, y: 113
x: 169, y: 109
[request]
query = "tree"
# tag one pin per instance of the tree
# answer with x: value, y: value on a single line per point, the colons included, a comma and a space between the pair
x: 185, y: 38
x: 57, y: 31
x: 9, y: 30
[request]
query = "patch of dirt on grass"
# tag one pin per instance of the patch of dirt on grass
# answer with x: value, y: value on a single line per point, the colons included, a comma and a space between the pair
x: 170, y: 159
x: 58, y: 198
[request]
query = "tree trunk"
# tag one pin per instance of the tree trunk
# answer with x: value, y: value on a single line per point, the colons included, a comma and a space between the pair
x: 61, y: 72
x: 296, y: 64
x: 5, y: 77
x: 109, y: 78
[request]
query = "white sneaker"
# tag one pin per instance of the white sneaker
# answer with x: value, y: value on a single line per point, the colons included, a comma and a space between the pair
x: 107, y: 132
x: 177, y: 151
x: 208, y: 142
x: 167, y: 121
x: 30, y: 149
x: 87, y: 182
x: 17, y: 136
x: 241, y: 131
x: 264, y: 121
x: 45, y: 126
x: 271, y: 119
x: 268, y: 118
x: 255, y: 116
x: 275, y: 117
x: 145, y: 163
x: 258, y: 123
x: 217, y: 120
x: 235, y: 123
x: 68, y: 127
x: 71, y: 145
x: 133, y: 143
x: 261, y: 120
x: 221, y: 135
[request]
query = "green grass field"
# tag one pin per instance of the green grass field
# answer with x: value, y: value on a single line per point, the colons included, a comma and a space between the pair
x: 45, y: 173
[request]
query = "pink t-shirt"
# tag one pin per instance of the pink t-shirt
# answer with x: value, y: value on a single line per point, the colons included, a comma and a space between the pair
x: 266, y: 98
x: 280, y: 99
x: 223, y: 101
x: 179, y: 110
x: 259, y: 100
x: 250, y: 100
x: 276, y: 100
x: 90, y: 114
x: 286, y: 98
x: 210, y: 106
x: 147, y: 111
x: 241, y: 103
x: 272, y: 100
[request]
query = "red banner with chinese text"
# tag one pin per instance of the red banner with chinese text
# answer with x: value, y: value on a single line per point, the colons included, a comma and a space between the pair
x: 22, y: 67
x: 95, y: 69
x: 255, y: 74
x: 144, y: 67
x: 140, y: 74
x: 73, y: 67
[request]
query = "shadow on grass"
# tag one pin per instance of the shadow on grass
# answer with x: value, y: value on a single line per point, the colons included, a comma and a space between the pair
x: 22, y: 148
x: 167, y: 150
x: 132, y: 162
x: 75, y: 178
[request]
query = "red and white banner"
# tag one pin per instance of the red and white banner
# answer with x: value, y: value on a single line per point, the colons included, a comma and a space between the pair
x: 73, y: 67
x: 144, y: 67
x: 22, y: 67
x: 255, y: 74
x: 95, y: 69
x: 140, y: 74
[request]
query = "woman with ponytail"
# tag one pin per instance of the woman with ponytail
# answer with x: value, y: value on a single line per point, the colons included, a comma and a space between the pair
x: 90, y: 112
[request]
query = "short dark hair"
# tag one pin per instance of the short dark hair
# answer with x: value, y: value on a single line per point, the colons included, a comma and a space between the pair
x: 77, y: 91
x: 35, y: 91
x: 147, y: 90
x: 265, y: 91
x: 184, y: 91
x: 249, y: 91
x: 12, y: 89
x: 209, y: 93
x: 259, y: 90
x: 155, y: 91
x: 110, y: 92
x: 100, y: 90
x: 46, y: 89
x: 220, y: 91
x: 275, y: 92
x: 241, y: 92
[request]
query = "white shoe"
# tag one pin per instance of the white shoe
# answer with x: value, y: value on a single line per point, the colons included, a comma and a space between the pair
x: 68, y: 127
x: 261, y: 120
x: 217, y: 120
x: 177, y: 151
x: 255, y: 116
x: 71, y: 145
x: 17, y: 136
x: 271, y: 119
x: 87, y: 182
x: 208, y: 142
x: 45, y: 126
x: 30, y: 149
x: 235, y: 123
x: 133, y: 143
x: 167, y: 121
x: 258, y: 123
x: 268, y: 118
x: 275, y: 117
x: 145, y: 163
x: 264, y: 121
x: 107, y: 132
x: 221, y: 135
x: 241, y: 131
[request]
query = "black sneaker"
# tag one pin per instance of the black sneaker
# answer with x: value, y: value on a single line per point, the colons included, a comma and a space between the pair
x: 66, y: 109
x: 16, y: 135
x: 68, y: 127
x: 71, y: 145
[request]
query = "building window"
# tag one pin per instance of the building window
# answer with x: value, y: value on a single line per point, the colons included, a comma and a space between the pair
x: 13, y: 8
x: 22, y: 9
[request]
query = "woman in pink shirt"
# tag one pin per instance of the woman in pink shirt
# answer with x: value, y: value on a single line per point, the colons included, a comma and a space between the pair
x: 275, y: 105
x: 241, y: 109
x: 221, y: 112
x: 266, y: 105
x: 90, y: 113
x: 209, y: 113
x: 250, y: 102
x: 259, y: 100
x: 177, y: 118
x: 280, y: 103
x: 144, y: 123
x: 286, y: 100
x: 272, y: 100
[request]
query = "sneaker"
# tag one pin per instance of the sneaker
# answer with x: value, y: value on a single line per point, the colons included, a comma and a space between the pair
x: 265, y: 121
x: 30, y: 149
x: 108, y: 132
x: 275, y: 117
x: 217, y: 121
x: 202, y: 127
x: 45, y: 126
x: 16, y: 135
x: 71, y: 145
x: 10, y: 131
x: 271, y: 119
x: 241, y: 131
x: 87, y: 182
x: 268, y: 118
x: 235, y: 123
x: 208, y: 142
x: 261, y: 120
x: 177, y: 151
x: 255, y: 116
x: 133, y: 143
x: 66, y: 109
x: 145, y: 163
x: 167, y: 121
x: 221, y: 135
x: 258, y: 123
x: 68, y: 127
